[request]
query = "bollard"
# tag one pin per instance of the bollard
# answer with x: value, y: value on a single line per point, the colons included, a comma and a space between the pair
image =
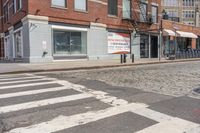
x: 121, y: 58
x: 133, y: 58
x: 125, y: 58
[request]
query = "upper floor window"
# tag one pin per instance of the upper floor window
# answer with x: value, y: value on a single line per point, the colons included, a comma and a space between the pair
x: 154, y: 12
x: 6, y: 13
x: 112, y: 7
x: 143, y: 12
x: 59, y: 3
x: 80, y: 5
x: 17, y: 5
x: 170, y: 2
x: 126, y: 9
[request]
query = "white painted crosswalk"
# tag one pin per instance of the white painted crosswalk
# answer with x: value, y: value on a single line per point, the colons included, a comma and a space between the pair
x: 61, y: 122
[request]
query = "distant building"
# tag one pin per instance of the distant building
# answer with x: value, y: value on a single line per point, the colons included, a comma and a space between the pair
x: 182, y: 11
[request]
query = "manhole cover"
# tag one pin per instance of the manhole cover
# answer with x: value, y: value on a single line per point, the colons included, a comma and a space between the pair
x: 197, y: 90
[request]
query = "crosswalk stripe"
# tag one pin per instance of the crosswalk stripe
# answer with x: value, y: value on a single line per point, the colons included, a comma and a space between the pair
x: 25, y: 93
x: 15, y: 75
x: 100, y: 95
x: 173, y: 126
x: 40, y: 103
x: 24, y: 81
x: 20, y: 78
x: 65, y: 122
x: 26, y: 85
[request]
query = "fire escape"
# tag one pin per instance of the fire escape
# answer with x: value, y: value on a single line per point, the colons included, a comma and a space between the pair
x: 138, y: 14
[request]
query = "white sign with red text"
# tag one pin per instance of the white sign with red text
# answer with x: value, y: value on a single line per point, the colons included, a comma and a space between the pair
x: 118, y: 43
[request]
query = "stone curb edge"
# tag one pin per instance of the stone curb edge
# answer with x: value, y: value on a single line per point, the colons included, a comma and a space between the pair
x: 99, y: 67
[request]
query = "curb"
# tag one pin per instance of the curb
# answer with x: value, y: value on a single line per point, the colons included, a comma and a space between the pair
x: 100, y: 67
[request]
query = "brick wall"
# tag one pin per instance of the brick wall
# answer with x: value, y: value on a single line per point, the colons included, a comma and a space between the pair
x: 68, y: 15
x: 182, y: 27
x: 14, y: 18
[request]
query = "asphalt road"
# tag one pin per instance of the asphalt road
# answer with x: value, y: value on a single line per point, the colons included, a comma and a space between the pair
x: 140, y: 99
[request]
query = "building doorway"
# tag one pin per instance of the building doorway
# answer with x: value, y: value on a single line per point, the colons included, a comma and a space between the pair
x: 144, y: 46
x: 18, y: 44
x: 7, y: 47
x: 154, y: 47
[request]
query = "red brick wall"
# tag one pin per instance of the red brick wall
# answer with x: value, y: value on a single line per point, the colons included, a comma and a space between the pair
x: 1, y: 30
x: 182, y: 27
x: 15, y: 18
x: 68, y: 15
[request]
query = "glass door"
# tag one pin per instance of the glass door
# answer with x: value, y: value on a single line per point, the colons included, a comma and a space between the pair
x: 18, y: 44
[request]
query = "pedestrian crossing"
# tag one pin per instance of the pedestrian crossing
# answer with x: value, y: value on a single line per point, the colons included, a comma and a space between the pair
x: 60, y: 121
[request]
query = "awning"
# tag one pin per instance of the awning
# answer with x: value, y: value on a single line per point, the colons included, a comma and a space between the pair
x: 186, y: 34
x: 168, y: 32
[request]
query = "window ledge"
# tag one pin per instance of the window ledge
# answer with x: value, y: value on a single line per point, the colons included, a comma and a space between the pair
x: 81, y: 11
x: 59, y: 7
x: 113, y: 16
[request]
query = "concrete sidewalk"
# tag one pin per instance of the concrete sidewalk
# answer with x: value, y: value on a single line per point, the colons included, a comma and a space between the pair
x: 9, y: 68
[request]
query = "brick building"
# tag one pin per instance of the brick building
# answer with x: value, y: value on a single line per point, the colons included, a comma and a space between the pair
x: 1, y: 35
x: 48, y: 30
x: 184, y: 11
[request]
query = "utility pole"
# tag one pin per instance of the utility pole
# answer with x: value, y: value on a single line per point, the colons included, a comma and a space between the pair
x: 160, y: 39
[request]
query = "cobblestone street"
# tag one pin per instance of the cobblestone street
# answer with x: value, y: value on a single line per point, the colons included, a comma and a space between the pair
x: 170, y: 79
x: 139, y: 99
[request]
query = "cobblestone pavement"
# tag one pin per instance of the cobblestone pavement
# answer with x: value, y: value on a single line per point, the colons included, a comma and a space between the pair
x: 92, y: 101
x: 170, y: 79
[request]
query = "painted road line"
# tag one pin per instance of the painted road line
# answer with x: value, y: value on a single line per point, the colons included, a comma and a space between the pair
x: 20, y: 78
x: 100, y: 95
x: 173, y: 126
x: 154, y: 115
x: 65, y: 122
x: 34, y: 104
x: 26, y: 93
x: 24, y: 81
x: 27, y: 85
x: 15, y: 75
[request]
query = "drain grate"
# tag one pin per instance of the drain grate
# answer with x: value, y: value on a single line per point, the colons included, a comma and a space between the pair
x: 197, y: 90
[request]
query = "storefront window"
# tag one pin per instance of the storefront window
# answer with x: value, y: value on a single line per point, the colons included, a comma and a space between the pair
x: 144, y: 46
x: 198, y: 43
x: 67, y: 43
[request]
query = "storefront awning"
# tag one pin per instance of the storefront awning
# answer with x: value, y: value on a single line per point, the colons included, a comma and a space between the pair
x: 168, y: 32
x: 186, y: 34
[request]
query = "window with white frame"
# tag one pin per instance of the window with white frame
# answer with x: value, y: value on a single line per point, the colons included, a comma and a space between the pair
x: 80, y: 5
x: 154, y: 11
x: 143, y: 12
x: 59, y: 3
x: 6, y: 13
x: 17, y: 5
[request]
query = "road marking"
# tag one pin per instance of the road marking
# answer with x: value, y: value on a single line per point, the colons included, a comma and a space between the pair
x: 24, y: 81
x: 173, y: 126
x: 100, y: 95
x: 20, y: 78
x: 40, y: 103
x: 26, y: 93
x: 154, y: 115
x: 27, y: 85
x: 65, y: 122
x: 15, y: 75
